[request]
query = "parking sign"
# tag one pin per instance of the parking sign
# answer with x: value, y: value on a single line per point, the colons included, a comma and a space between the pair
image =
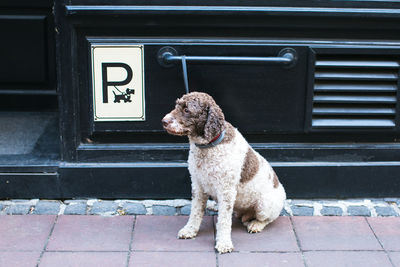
x: 118, y: 83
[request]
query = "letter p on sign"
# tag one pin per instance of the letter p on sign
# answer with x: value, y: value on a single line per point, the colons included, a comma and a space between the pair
x: 118, y: 83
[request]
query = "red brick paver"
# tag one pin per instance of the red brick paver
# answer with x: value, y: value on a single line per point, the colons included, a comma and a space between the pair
x: 159, y: 233
x: 86, y: 259
x: 395, y: 257
x: 347, y: 258
x: 277, y: 236
x: 388, y: 231
x: 19, y: 232
x: 91, y: 233
x: 261, y: 259
x: 176, y: 259
x: 335, y: 233
x: 19, y: 258
x: 152, y: 241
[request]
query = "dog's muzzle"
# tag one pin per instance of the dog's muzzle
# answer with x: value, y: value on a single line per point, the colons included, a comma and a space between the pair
x: 171, y: 126
x: 167, y: 120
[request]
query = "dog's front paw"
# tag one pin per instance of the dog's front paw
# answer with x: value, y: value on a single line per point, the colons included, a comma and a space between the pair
x: 187, y: 233
x: 224, y: 246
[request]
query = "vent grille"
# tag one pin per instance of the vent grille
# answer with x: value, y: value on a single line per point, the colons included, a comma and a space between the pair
x: 355, y: 92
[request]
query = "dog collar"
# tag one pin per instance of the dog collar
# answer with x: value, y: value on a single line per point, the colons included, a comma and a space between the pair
x: 216, y: 140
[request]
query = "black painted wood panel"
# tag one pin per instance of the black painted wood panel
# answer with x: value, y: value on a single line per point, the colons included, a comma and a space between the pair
x: 24, y: 49
x: 29, y: 185
x: 160, y: 181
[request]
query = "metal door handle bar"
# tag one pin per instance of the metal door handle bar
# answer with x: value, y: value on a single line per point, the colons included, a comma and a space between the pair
x: 167, y: 56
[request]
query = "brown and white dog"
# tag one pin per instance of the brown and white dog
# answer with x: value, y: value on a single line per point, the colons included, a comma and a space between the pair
x: 224, y: 166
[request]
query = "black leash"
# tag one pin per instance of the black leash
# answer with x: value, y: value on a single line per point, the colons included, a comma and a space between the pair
x: 185, y: 76
x: 118, y: 89
x: 221, y: 136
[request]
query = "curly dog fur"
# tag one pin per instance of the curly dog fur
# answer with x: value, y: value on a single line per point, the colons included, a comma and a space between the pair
x: 232, y: 173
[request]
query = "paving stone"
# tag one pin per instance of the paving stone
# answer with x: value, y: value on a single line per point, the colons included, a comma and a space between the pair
x: 328, y: 202
x: 260, y: 259
x: 185, y: 210
x: 71, y: 201
x: 18, y: 258
x: 211, y: 212
x: 163, y: 210
x: 387, y: 229
x: 156, y: 259
x: 385, y: 211
x: 28, y: 232
x: 159, y: 233
x: 392, y: 200
x: 335, y: 233
x: 47, y: 207
x: 17, y: 209
x: 331, y: 211
x: 301, y: 202
x: 78, y: 208
x: 354, y: 201
x: 284, y: 213
x: 358, y: 211
x: 101, y: 207
x: 87, y: 259
x: 134, y: 208
x: 378, y: 202
x: 91, y: 233
x: 347, y: 258
x: 277, y: 236
x: 356, y: 207
x: 302, y: 211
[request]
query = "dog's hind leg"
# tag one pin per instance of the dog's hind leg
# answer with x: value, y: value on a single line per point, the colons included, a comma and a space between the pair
x: 248, y: 215
x: 267, y: 210
x: 256, y: 226
x: 261, y: 220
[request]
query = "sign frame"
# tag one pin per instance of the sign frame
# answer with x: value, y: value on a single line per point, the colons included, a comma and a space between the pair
x: 96, y: 118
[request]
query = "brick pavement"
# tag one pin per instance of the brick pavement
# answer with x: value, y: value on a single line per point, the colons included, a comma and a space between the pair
x: 91, y: 240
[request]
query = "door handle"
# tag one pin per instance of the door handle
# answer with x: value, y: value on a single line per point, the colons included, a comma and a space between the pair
x: 168, y: 56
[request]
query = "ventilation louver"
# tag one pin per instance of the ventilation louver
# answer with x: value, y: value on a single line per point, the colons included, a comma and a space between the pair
x: 355, y: 91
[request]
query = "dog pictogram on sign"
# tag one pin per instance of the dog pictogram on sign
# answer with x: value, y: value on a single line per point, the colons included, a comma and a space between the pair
x: 126, y: 97
x: 118, y: 83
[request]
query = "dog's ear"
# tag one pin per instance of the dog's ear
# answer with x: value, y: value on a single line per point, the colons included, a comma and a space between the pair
x: 215, y: 122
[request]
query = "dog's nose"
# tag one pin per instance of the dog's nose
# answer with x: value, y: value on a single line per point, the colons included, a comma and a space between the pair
x: 166, y: 121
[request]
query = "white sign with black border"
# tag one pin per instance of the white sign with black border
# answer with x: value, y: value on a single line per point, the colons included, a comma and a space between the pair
x: 118, y: 83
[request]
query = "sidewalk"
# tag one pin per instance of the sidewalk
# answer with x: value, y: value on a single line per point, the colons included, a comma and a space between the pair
x: 90, y: 240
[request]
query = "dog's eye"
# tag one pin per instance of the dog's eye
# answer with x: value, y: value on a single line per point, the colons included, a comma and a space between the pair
x: 186, y: 110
